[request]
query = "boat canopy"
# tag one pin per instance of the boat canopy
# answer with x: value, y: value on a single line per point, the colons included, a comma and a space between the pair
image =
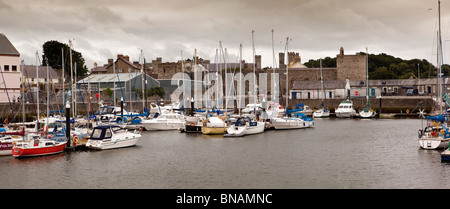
x: 439, y: 118
x: 102, y: 132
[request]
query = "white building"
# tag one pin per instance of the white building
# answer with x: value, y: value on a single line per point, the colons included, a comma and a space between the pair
x: 10, y: 74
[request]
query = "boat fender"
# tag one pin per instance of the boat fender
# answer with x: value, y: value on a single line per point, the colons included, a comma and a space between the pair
x: 75, y: 139
x: 419, y: 134
x: 192, y: 124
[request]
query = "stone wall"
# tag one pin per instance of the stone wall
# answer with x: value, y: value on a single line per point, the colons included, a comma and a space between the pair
x: 352, y: 67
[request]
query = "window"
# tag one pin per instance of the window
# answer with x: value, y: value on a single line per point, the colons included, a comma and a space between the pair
x: 6, y: 68
x: 120, y: 70
x: 108, y: 133
x: 97, y: 133
x: 13, y: 68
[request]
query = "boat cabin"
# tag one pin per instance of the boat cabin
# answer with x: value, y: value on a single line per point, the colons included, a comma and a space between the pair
x: 105, y: 132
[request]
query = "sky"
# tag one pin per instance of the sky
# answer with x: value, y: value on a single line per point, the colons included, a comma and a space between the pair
x: 170, y: 29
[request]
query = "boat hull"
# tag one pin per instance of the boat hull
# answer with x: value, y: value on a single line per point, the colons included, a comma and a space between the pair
x: 38, y: 151
x: 112, y: 144
x: 369, y: 114
x: 445, y: 156
x: 290, y: 124
x: 434, y: 143
x: 214, y: 130
x: 320, y: 114
x: 246, y: 130
x: 344, y: 114
x: 5, y: 148
x: 162, y: 126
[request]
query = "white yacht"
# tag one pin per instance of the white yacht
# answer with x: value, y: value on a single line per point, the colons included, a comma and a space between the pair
x: 345, y: 110
x: 111, y: 137
x: 245, y: 126
x: 321, y: 113
x: 166, y: 121
x: 251, y: 108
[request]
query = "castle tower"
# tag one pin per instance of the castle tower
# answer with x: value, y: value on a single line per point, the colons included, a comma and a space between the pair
x: 352, y: 67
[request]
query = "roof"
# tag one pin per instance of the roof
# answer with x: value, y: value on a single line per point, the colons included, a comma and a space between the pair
x: 6, y: 47
x: 124, y: 60
x: 29, y: 71
x: 99, y: 69
x: 112, y: 77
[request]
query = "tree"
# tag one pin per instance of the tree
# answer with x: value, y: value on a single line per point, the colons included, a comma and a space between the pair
x: 109, y: 92
x: 52, y: 50
x: 382, y: 73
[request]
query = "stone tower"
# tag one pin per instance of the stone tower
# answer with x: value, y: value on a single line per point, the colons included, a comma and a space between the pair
x: 352, y: 67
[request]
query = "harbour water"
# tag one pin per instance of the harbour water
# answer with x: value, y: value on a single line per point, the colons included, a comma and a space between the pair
x: 336, y: 153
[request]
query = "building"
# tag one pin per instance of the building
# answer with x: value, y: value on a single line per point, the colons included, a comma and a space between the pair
x: 10, y: 77
x: 29, y: 73
x: 122, y: 65
x: 123, y: 84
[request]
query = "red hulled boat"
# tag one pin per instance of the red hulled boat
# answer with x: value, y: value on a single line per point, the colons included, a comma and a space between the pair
x: 37, y: 147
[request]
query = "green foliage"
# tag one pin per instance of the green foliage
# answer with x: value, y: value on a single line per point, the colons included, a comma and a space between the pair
x: 151, y: 92
x: 109, y: 92
x: 326, y: 62
x: 159, y: 91
x: 52, y: 50
x: 384, y: 66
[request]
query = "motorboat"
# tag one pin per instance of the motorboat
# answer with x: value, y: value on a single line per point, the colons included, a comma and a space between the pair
x: 245, y: 126
x: 7, y: 140
x: 111, y: 137
x: 165, y: 121
x: 6, y: 144
x: 194, y: 124
x: 214, y: 125
x: 345, y: 109
x: 298, y: 120
x: 321, y: 113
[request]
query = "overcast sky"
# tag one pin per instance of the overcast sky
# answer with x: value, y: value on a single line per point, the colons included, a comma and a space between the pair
x: 101, y: 29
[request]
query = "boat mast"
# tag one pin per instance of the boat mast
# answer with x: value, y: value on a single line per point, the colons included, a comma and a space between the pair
x: 23, y: 93
x: 438, y: 60
x: 240, y: 79
x: 287, y: 73
x: 367, y: 73
x: 37, y: 93
x: 142, y: 79
x: 254, y: 72
x: 62, y: 64
x: 48, y: 98
x: 273, y: 72
x: 71, y: 77
x: 321, y: 81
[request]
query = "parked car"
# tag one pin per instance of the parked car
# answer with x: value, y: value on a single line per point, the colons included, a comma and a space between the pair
x: 412, y: 92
